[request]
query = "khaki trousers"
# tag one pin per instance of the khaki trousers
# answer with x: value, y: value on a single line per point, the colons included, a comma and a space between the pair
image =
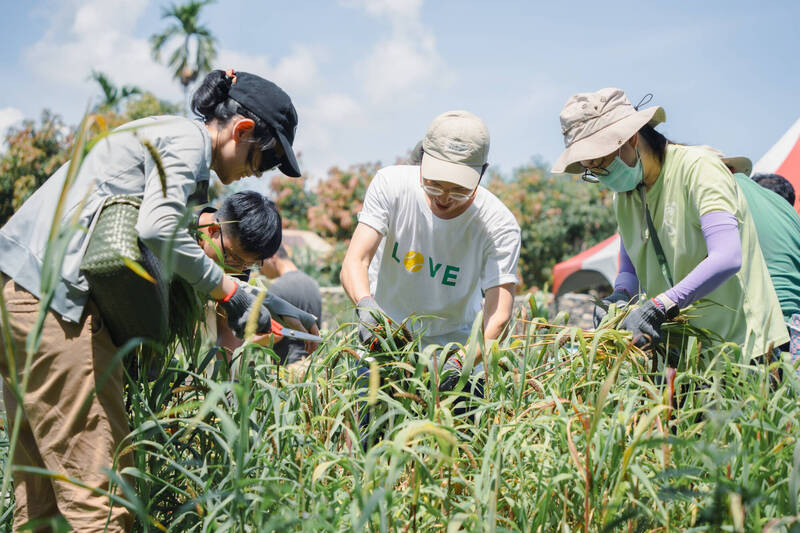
x: 67, y: 427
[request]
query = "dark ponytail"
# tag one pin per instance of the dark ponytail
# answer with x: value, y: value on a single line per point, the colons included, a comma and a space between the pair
x: 211, y: 94
x: 211, y: 102
x: 655, y: 141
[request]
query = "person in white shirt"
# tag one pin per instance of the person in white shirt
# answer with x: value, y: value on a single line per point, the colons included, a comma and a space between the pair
x: 431, y: 242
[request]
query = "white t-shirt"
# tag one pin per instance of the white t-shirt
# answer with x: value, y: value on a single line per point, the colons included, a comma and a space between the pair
x: 426, y: 265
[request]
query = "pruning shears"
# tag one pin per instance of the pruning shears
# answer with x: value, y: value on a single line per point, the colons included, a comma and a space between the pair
x: 279, y: 329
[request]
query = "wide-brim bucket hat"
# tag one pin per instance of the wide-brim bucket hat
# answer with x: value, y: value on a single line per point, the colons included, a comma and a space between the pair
x: 596, y: 124
x: 737, y: 164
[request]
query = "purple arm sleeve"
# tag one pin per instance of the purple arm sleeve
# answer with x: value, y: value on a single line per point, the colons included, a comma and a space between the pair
x: 724, y: 259
x: 626, y: 278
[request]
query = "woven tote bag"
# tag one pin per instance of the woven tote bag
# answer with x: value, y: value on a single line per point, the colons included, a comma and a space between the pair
x: 131, y: 305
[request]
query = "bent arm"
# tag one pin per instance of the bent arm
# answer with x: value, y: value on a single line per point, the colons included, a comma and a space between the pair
x: 497, y: 308
x: 627, y: 280
x: 161, y: 224
x: 355, y: 267
x: 721, y: 232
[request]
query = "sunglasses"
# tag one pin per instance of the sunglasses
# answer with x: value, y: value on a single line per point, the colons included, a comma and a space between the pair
x: 271, y: 155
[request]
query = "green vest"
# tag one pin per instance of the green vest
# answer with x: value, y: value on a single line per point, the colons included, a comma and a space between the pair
x: 778, y: 228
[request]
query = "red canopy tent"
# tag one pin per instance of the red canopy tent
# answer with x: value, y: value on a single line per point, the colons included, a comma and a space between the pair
x: 599, y: 264
x: 784, y: 159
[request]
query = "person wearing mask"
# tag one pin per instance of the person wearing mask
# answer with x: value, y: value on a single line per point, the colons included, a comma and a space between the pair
x: 246, y: 126
x: 687, y: 233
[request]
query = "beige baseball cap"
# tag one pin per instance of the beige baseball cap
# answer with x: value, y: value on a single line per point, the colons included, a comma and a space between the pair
x: 456, y: 146
x: 596, y: 124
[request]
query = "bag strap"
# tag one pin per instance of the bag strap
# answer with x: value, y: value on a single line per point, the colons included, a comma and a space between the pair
x: 660, y: 255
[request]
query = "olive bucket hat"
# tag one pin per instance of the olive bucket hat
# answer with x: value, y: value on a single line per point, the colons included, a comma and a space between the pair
x: 596, y: 124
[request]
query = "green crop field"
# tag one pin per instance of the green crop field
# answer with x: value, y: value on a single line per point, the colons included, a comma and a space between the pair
x: 576, y: 432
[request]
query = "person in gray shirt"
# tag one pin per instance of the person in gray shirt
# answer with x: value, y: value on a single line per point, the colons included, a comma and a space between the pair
x: 70, y: 424
x: 297, y: 288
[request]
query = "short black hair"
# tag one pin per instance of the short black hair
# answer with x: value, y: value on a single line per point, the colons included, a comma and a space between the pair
x: 257, y: 222
x: 776, y: 183
x: 282, y: 253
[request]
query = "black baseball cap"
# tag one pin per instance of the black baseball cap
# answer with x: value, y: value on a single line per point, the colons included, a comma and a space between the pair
x: 272, y: 105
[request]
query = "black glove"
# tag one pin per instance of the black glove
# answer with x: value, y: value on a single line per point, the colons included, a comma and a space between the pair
x: 451, y: 373
x: 367, y: 311
x: 645, y: 324
x: 238, y: 306
x: 619, y: 297
x: 280, y: 307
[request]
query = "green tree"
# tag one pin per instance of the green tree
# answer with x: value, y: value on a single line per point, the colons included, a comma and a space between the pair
x: 185, y: 25
x: 148, y: 105
x: 559, y: 216
x: 34, y: 152
x: 292, y: 200
x: 113, y: 96
x: 339, y: 199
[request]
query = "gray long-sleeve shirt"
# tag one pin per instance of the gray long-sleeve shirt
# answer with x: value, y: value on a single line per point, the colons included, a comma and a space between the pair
x: 119, y: 164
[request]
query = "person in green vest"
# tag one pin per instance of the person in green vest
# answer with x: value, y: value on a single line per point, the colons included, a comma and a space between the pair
x: 688, y: 238
x: 778, y: 228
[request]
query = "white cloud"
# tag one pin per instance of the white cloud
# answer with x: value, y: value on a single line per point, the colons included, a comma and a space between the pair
x: 297, y: 71
x: 406, y: 64
x: 397, y: 70
x: 98, y: 34
x: 321, y: 136
x: 396, y: 9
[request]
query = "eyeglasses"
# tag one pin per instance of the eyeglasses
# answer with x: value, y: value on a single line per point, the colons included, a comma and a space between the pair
x: 233, y: 260
x: 592, y: 174
x: 458, y: 197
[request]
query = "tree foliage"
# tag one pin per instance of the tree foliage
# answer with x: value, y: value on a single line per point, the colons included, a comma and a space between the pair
x: 34, y: 151
x: 559, y: 216
x: 113, y: 96
x: 293, y: 200
x: 185, y: 18
x: 339, y: 199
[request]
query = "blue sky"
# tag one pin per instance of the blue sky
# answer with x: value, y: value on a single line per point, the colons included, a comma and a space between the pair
x: 367, y: 76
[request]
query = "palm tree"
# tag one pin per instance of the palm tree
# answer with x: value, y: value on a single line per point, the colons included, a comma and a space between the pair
x: 186, y: 26
x: 112, y: 95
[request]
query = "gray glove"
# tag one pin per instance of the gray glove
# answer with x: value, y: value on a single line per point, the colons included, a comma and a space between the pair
x: 280, y: 307
x: 619, y: 297
x: 238, y: 309
x: 645, y: 322
x: 367, y: 311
